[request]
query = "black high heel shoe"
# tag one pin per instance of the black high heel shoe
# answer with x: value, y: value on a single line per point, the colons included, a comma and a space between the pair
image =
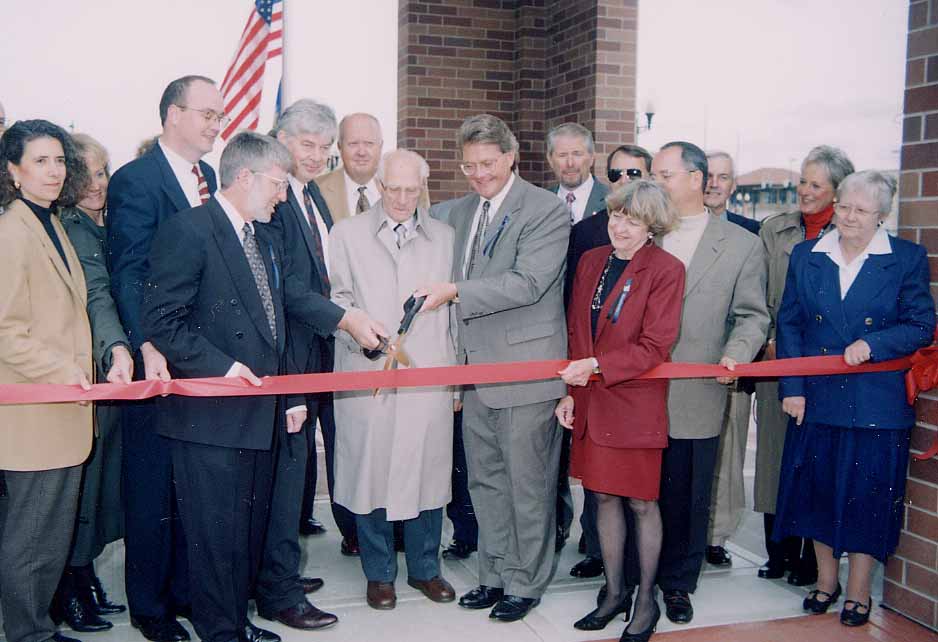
x: 851, y: 616
x: 595, y: 622
x: 645, y: 635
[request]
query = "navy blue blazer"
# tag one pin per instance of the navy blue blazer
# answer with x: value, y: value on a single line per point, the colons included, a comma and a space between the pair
x: 140, y: 196
x: 309, y: 351
x: 203, y: 312
x: 750, y: 224
x: 889, y: 306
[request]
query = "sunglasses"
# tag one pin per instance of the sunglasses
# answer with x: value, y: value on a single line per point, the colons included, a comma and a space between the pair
x: 615, y: 174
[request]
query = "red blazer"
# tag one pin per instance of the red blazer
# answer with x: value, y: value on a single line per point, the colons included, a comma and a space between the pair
x: 622, y: 412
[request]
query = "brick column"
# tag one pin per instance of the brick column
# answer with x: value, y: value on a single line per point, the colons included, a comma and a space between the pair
x: 534, y: 63
x: 911, y: 583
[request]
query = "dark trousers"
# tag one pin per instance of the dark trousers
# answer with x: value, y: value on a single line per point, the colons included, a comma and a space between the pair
x: 278, y: 586
x: 421, y: 545
x: 321, y: 408
x: 223, y: 501
x: 687, y: 469
x: 37, y: 516
x: 459, y: 510
x: 565, y: 503
x: 156, y: 572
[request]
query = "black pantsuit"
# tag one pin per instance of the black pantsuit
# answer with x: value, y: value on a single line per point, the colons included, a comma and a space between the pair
x: 223, y: 501
x: 686, y: 481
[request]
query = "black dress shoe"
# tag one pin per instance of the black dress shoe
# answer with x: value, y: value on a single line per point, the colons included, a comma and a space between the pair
x: 257, y: 634
x: 772, y: 570
x: 99, y: 602
x: 562, y: 535
x: 678, y: 607
x: 58, y: 637
x: 311, y: 584
x: 303, y: 616
x: 68, y: 607
x: 595, y: 622
x: 816, y: 606
x: 512, y: 608
x: 311, y: 526
x: 160, y: 629
x: 717, y: 556
x: 458, y: 550
x: 349, y: 547
x: 851, y: 616
x: 645, y: 635
x: 481, y: 597
x: 587, y: 567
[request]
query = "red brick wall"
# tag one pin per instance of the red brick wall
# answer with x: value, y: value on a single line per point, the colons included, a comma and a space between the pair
x: 534, y: 63
x: 911, y: 585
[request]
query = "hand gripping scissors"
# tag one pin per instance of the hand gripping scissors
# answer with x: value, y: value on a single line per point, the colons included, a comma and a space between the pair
x: 395, y: 351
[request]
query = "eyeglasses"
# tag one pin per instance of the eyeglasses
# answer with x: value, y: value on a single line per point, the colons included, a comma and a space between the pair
x: 615, y: 174
x: 668, y: 175
x: 471, y: 169
x: 845, y: 208
x: 209, y: 115
x: 281, y: 184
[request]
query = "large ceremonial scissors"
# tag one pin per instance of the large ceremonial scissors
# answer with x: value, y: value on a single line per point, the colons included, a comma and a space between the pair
x: 395, y: 351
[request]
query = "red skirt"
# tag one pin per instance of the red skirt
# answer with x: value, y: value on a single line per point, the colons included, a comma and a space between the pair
x: 626, y: 472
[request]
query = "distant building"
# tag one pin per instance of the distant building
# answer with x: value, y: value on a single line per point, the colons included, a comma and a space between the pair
x: 765, y: 191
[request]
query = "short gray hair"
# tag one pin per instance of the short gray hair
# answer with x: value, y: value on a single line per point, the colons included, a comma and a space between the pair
x: 402, y: 154
x: 366, y: 115
x: 252, y: 151
x: 879, y: 185
x: 832, y: 159
x: 487, y: 129
x: 646, y: 202
x: 721, y: 154
x: 573, y: 130
x: 306, y: 116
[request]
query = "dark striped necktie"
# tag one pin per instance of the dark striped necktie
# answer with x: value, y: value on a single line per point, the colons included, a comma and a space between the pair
x: 204, y: 194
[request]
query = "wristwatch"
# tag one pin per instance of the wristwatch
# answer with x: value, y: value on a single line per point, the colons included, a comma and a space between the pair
x: 596, y: 369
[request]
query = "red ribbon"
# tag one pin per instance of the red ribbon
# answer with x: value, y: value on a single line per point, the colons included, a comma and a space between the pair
x: 922, y: 375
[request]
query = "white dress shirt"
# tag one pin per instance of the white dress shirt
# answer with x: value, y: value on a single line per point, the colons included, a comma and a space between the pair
x: 848, y: 272
x: 682, y: 241
x: 495, y: 203
x: 581, y: 195
x: 351, y: 192
x: 183, y: 171
x: 320, y: 222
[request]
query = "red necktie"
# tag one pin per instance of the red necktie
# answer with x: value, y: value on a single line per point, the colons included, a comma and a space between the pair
x: 204, y: 194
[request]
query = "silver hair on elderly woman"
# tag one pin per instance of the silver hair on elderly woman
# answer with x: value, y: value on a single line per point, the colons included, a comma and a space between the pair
x: 878, y: 185
x: 647, y: 203
x: 833, y: 159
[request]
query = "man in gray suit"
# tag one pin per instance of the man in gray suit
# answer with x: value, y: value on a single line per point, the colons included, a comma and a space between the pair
x: 510, y: 244
x: 724, y: 320
x: 571, y: 154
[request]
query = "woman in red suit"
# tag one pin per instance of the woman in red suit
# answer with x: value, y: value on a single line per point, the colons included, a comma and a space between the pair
x: 623, y: 319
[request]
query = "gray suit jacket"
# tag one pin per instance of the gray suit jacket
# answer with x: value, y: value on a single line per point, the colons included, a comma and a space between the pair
x: 511, y: 306
x: 596, y: 200
x: 724, y: 315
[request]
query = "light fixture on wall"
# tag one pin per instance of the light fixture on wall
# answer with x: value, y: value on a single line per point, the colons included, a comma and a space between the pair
x: 649, y: 114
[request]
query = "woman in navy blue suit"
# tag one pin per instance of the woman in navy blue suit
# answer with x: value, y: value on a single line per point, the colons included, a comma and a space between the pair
x: 858, y: 292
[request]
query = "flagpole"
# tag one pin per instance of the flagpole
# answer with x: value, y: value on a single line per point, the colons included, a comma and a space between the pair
x: 284, y: 96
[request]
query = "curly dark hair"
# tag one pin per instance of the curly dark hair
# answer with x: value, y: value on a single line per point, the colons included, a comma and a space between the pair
x: 13, y: 144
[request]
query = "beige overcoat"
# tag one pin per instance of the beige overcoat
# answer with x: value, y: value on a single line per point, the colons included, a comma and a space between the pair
x: 44, y: 335
x: 393, y: 451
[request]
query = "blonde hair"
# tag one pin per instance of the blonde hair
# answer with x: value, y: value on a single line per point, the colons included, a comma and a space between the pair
x: 88, y: 146
x: 645, y: 202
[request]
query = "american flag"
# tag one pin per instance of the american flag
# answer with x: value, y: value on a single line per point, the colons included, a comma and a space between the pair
x: 261, y: 41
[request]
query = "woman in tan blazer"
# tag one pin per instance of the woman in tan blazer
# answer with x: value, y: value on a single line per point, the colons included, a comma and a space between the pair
x: 44, y: 338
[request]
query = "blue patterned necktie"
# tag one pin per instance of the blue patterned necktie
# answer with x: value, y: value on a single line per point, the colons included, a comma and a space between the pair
x: 260, y: 277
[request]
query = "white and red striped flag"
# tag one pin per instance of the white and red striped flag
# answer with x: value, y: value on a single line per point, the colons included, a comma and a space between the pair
x: 262, y: 40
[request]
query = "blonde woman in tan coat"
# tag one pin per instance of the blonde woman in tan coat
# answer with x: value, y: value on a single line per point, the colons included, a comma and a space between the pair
x: 44, y: 338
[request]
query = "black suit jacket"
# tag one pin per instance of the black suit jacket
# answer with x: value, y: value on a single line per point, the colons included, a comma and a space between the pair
x: 140, y: 196
x: 309, y: 351
x: 750, y: 224
x: 203, y: 312
x: 584, y: 236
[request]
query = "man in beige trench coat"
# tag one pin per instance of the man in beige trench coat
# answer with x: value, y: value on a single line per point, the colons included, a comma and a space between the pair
x: 393, y: 453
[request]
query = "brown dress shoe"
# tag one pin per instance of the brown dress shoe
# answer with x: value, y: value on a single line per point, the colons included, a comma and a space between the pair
x: 311, y: 584
x: 381, y: 595
x: 303, y: 616
x: 436, y: 588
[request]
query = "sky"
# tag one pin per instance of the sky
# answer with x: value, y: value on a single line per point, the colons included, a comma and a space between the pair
x: 764, y: 80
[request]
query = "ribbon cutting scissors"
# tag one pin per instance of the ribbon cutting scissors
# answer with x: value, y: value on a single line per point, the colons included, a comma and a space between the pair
x: 395, y: 351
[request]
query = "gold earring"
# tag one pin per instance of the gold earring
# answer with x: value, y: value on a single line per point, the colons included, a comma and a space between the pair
x: 16, y: 184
